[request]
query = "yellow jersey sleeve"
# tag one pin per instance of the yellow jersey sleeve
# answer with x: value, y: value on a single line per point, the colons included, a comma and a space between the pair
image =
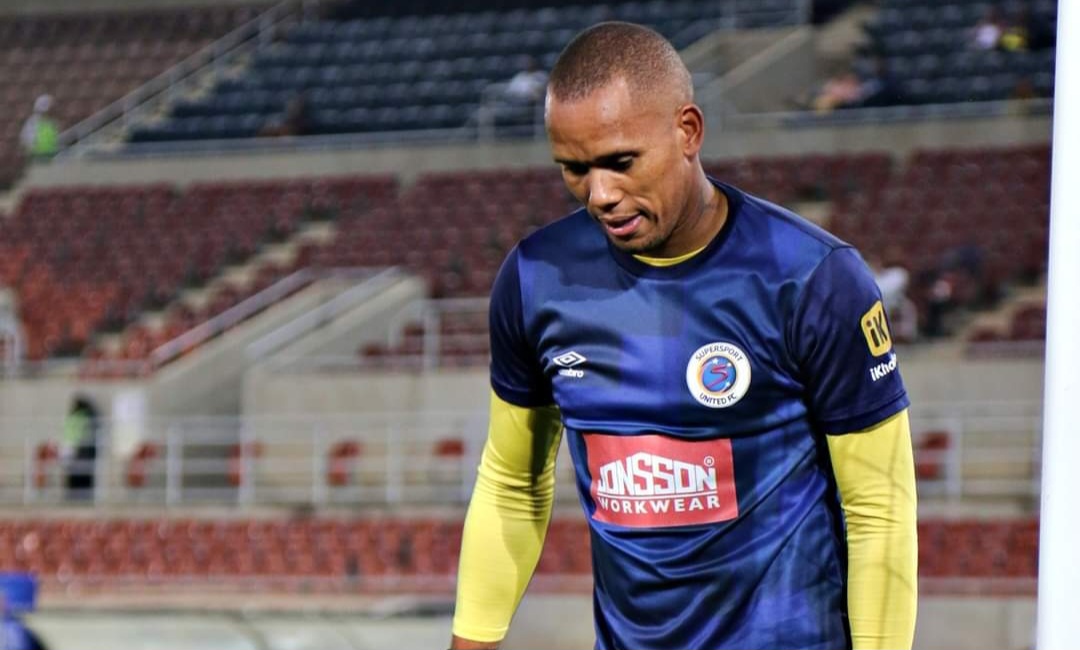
x: 875, y: 474
x: 507, y: 519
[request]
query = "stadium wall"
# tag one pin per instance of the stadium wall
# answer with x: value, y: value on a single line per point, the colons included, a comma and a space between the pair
x: 771, y: 76
x: 279, y: 392
x: 331, y: 155
x: 210, y: 380
x: 269, y: 389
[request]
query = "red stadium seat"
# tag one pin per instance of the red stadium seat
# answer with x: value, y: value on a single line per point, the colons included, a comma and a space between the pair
x: 46, y: 458
x: 341, y: 461
x: 137, y: 467
x: 239, y: 456
x: 929, y: 450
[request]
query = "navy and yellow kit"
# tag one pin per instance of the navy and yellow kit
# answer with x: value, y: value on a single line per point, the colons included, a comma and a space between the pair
x: 696, y: 399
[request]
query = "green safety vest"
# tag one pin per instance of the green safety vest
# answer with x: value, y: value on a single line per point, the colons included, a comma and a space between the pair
x: 46, y: 138
x: 76, y: 428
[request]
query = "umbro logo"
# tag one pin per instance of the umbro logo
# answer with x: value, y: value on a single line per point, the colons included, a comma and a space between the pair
x: 568, y: 361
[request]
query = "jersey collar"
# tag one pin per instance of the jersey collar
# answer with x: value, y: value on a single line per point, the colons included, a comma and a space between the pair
x: 675, y: 271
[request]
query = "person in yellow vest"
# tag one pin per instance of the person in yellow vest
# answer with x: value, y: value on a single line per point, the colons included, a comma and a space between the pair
x: 79, y: 448
x: 40, y: 133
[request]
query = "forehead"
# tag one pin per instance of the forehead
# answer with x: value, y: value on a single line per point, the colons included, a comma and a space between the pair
x: 607, y: 120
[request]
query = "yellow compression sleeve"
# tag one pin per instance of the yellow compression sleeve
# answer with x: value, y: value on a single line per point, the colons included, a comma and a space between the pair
x: 875, y: 474
x: 508, y: 518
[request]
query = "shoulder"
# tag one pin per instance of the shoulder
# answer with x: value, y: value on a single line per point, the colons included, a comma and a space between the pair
x: 777, y: 239
x: 551, y: 249
x: 573, y: 237
x: 787, y: 227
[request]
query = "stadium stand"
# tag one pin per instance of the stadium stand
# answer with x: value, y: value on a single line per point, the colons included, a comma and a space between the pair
x: 926, y: 47
x: 111, y: 273
x: 393, y: 554
x: 876, y: 203
x: 380, y: 73
x: 87, y: 60
x: 93, y: 259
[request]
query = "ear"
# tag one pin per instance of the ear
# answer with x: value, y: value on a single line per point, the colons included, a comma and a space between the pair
x: 690, y: 123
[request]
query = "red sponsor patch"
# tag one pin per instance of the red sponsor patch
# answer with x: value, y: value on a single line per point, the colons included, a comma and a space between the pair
x: 655, y: 481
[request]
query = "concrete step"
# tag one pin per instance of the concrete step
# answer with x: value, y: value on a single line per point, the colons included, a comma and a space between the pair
x: 238, y: 275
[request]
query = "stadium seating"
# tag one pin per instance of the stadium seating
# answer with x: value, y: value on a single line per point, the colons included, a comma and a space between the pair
x: 90, y: 260
x: 87, y: 260
x: 369, y: 72
x: 456, y: 245
x: 360, y: 554
x: 86, y: 61
x: 462, y: 340
x: 974, y: 219
x: 926, y: 48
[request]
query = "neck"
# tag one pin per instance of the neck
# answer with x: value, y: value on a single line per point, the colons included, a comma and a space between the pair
x: 706, y: 214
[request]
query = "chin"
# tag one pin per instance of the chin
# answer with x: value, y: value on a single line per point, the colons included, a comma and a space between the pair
x: 645, y: 247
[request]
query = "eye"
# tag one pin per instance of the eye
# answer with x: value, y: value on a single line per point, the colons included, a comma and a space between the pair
x: 575, y: 169
x: 622, y: 163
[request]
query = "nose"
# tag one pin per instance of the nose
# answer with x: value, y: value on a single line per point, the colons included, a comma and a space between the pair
x: 602, y: 192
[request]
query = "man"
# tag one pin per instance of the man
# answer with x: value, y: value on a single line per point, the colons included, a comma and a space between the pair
x: 40, y: 134
x: 724, y: 375
x: 527, y: 86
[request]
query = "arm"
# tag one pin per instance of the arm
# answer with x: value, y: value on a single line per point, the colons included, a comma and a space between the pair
x: 507, y: 521
x: 875, y: 474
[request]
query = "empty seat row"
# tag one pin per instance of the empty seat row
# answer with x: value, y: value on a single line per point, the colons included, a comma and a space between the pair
x: 448, y: 59
x: 160, y: 239
x: 64, y: 551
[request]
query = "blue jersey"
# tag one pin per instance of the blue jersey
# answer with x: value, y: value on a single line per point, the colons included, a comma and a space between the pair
x: 695, y: 399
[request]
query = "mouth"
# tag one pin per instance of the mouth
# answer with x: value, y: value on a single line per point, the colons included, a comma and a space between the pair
x: 622, y: 227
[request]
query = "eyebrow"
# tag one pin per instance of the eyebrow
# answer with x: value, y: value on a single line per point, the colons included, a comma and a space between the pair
x: 601, y: 161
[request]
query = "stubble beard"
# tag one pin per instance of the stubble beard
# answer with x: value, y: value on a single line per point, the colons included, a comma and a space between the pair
x: 647, y: 245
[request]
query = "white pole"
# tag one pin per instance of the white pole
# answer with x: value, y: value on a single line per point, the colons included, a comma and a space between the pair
x: 1059, y: 562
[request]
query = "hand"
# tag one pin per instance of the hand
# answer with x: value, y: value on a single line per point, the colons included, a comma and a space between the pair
x: 459, y: 643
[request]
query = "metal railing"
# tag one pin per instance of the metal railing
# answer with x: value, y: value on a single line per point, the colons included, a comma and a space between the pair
x: 391, y: 459
x: 367, y: 282
x: 387, y: 459
x: 171, y: 84
x: 86, y: 137
x: 372, y: 282
x: 735, y: 120
x: 430, y: 313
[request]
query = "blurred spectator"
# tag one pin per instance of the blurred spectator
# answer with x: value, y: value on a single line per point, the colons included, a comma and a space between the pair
x: 40, y: 134
x: 79, y: 449
x: 839, y: 91
x: 528, y: 85
x: 294, y: 121
x: 987, y: 33
x: 941, y: 302
x: 1038, y: 32
x: 892, y: 279
x: 1014, y: 37
x: 879, y: 87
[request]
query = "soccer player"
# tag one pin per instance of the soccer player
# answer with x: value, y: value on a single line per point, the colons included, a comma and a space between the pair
x: 724, y: 374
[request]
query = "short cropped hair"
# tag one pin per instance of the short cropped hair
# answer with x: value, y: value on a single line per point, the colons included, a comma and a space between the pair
x: 610, y: 50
